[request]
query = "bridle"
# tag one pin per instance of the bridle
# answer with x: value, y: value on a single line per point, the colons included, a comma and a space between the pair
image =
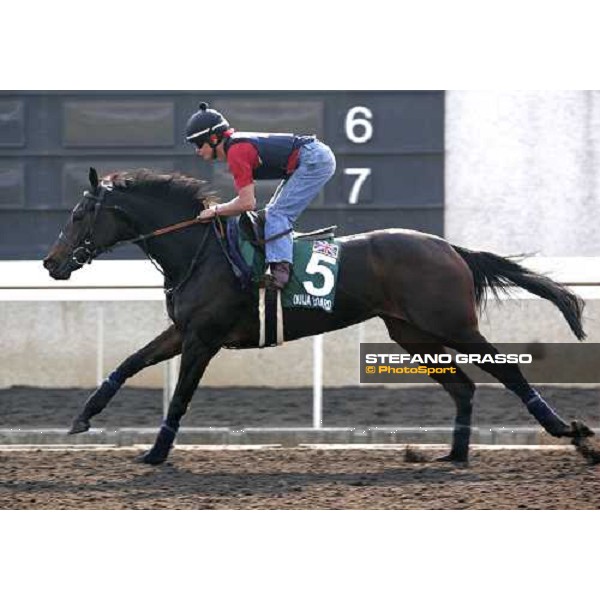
x: 86, y: 249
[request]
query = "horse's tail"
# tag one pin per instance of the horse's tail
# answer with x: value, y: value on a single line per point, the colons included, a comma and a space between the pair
x: 497, y: 273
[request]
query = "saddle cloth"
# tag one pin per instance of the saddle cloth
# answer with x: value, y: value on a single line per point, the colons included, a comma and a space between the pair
x: 316, y: 259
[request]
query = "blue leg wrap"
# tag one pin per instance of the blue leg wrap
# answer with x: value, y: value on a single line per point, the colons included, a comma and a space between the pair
x: 116, y: 379
x: 165, y: 438
x: 100, y: 398
x: 545, y: 415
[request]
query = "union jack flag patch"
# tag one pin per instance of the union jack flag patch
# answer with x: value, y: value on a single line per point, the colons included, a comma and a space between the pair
x: 325, y: 248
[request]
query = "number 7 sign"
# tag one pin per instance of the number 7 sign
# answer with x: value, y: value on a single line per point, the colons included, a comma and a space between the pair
x: 361, y: 174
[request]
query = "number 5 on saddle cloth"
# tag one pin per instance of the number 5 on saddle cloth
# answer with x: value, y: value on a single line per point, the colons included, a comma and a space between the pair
x: 313, y: 280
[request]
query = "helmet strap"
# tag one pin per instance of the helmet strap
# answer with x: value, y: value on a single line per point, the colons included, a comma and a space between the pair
x: 213, y: 142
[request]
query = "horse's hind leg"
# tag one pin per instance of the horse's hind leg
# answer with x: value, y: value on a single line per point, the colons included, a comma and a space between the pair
x: 457, y: 384
x: 511, y: 377
x: 165, y: 346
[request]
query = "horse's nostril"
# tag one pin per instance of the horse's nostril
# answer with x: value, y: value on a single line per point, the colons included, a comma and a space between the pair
x: 48, y: 263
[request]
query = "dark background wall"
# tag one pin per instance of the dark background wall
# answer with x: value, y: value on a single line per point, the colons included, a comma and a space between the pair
x: 389, y: 146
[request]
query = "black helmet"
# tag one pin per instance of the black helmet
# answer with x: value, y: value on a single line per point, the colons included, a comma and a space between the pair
x: 205, y: 123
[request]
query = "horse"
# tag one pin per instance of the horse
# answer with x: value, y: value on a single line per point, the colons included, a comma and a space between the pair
x: 427, y: 291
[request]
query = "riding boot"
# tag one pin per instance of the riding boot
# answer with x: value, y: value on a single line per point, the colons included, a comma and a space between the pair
x: 277, y: 275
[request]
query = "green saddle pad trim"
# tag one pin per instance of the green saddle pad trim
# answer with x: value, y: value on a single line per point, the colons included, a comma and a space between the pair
x: 314, y: 275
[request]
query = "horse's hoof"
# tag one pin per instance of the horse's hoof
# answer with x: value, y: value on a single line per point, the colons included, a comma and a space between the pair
x: 457, y: 461
x: 79, y: 426
x: 151, y: 458
x: 581, y: 430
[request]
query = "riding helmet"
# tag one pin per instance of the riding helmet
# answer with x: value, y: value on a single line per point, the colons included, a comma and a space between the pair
x: 205, y: 123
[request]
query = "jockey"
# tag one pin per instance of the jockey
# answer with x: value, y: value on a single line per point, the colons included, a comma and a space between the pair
x: 303, y: 163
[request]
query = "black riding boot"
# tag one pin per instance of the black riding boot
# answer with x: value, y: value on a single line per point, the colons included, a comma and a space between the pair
x: 277, y: 275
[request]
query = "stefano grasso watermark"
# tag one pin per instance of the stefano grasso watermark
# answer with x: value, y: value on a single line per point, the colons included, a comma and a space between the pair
x: 540, y: 363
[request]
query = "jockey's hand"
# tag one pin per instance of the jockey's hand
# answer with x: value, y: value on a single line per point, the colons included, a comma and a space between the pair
x: 206, y: 215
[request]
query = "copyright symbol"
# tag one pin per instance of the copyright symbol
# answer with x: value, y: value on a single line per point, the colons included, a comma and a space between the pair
x: 370, y: 369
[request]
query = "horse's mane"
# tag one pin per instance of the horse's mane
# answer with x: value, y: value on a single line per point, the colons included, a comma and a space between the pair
x: 167, y: 186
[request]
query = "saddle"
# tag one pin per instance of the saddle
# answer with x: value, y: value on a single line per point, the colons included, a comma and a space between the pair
x: 244, y: 242
x: 252, y: 227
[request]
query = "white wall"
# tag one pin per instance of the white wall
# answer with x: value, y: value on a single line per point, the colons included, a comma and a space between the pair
x: 522, y: 171
x: 53, y: 344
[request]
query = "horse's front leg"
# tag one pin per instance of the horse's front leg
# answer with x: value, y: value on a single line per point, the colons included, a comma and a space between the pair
x: 195, y: 357
x: 165, y: 346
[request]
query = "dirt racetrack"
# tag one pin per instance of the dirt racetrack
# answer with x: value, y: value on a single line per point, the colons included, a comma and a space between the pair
x: 299, y: 478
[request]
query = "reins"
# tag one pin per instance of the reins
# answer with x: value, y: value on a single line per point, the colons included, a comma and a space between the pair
x: 142, y: 237
x: 159, y: 232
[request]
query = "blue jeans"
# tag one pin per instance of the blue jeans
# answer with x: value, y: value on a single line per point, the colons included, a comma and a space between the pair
x: 315, y: 167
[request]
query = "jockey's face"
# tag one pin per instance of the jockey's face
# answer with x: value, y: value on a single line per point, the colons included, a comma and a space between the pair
x: 205, y: 151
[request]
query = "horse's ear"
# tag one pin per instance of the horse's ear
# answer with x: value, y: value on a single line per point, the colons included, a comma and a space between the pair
x: 94, y: 178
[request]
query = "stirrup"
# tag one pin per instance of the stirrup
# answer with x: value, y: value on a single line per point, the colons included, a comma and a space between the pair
x: 278, y: 278
x: 269, y: 281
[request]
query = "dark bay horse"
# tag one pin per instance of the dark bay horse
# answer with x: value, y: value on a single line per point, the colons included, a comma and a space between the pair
x: 426, y: 290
